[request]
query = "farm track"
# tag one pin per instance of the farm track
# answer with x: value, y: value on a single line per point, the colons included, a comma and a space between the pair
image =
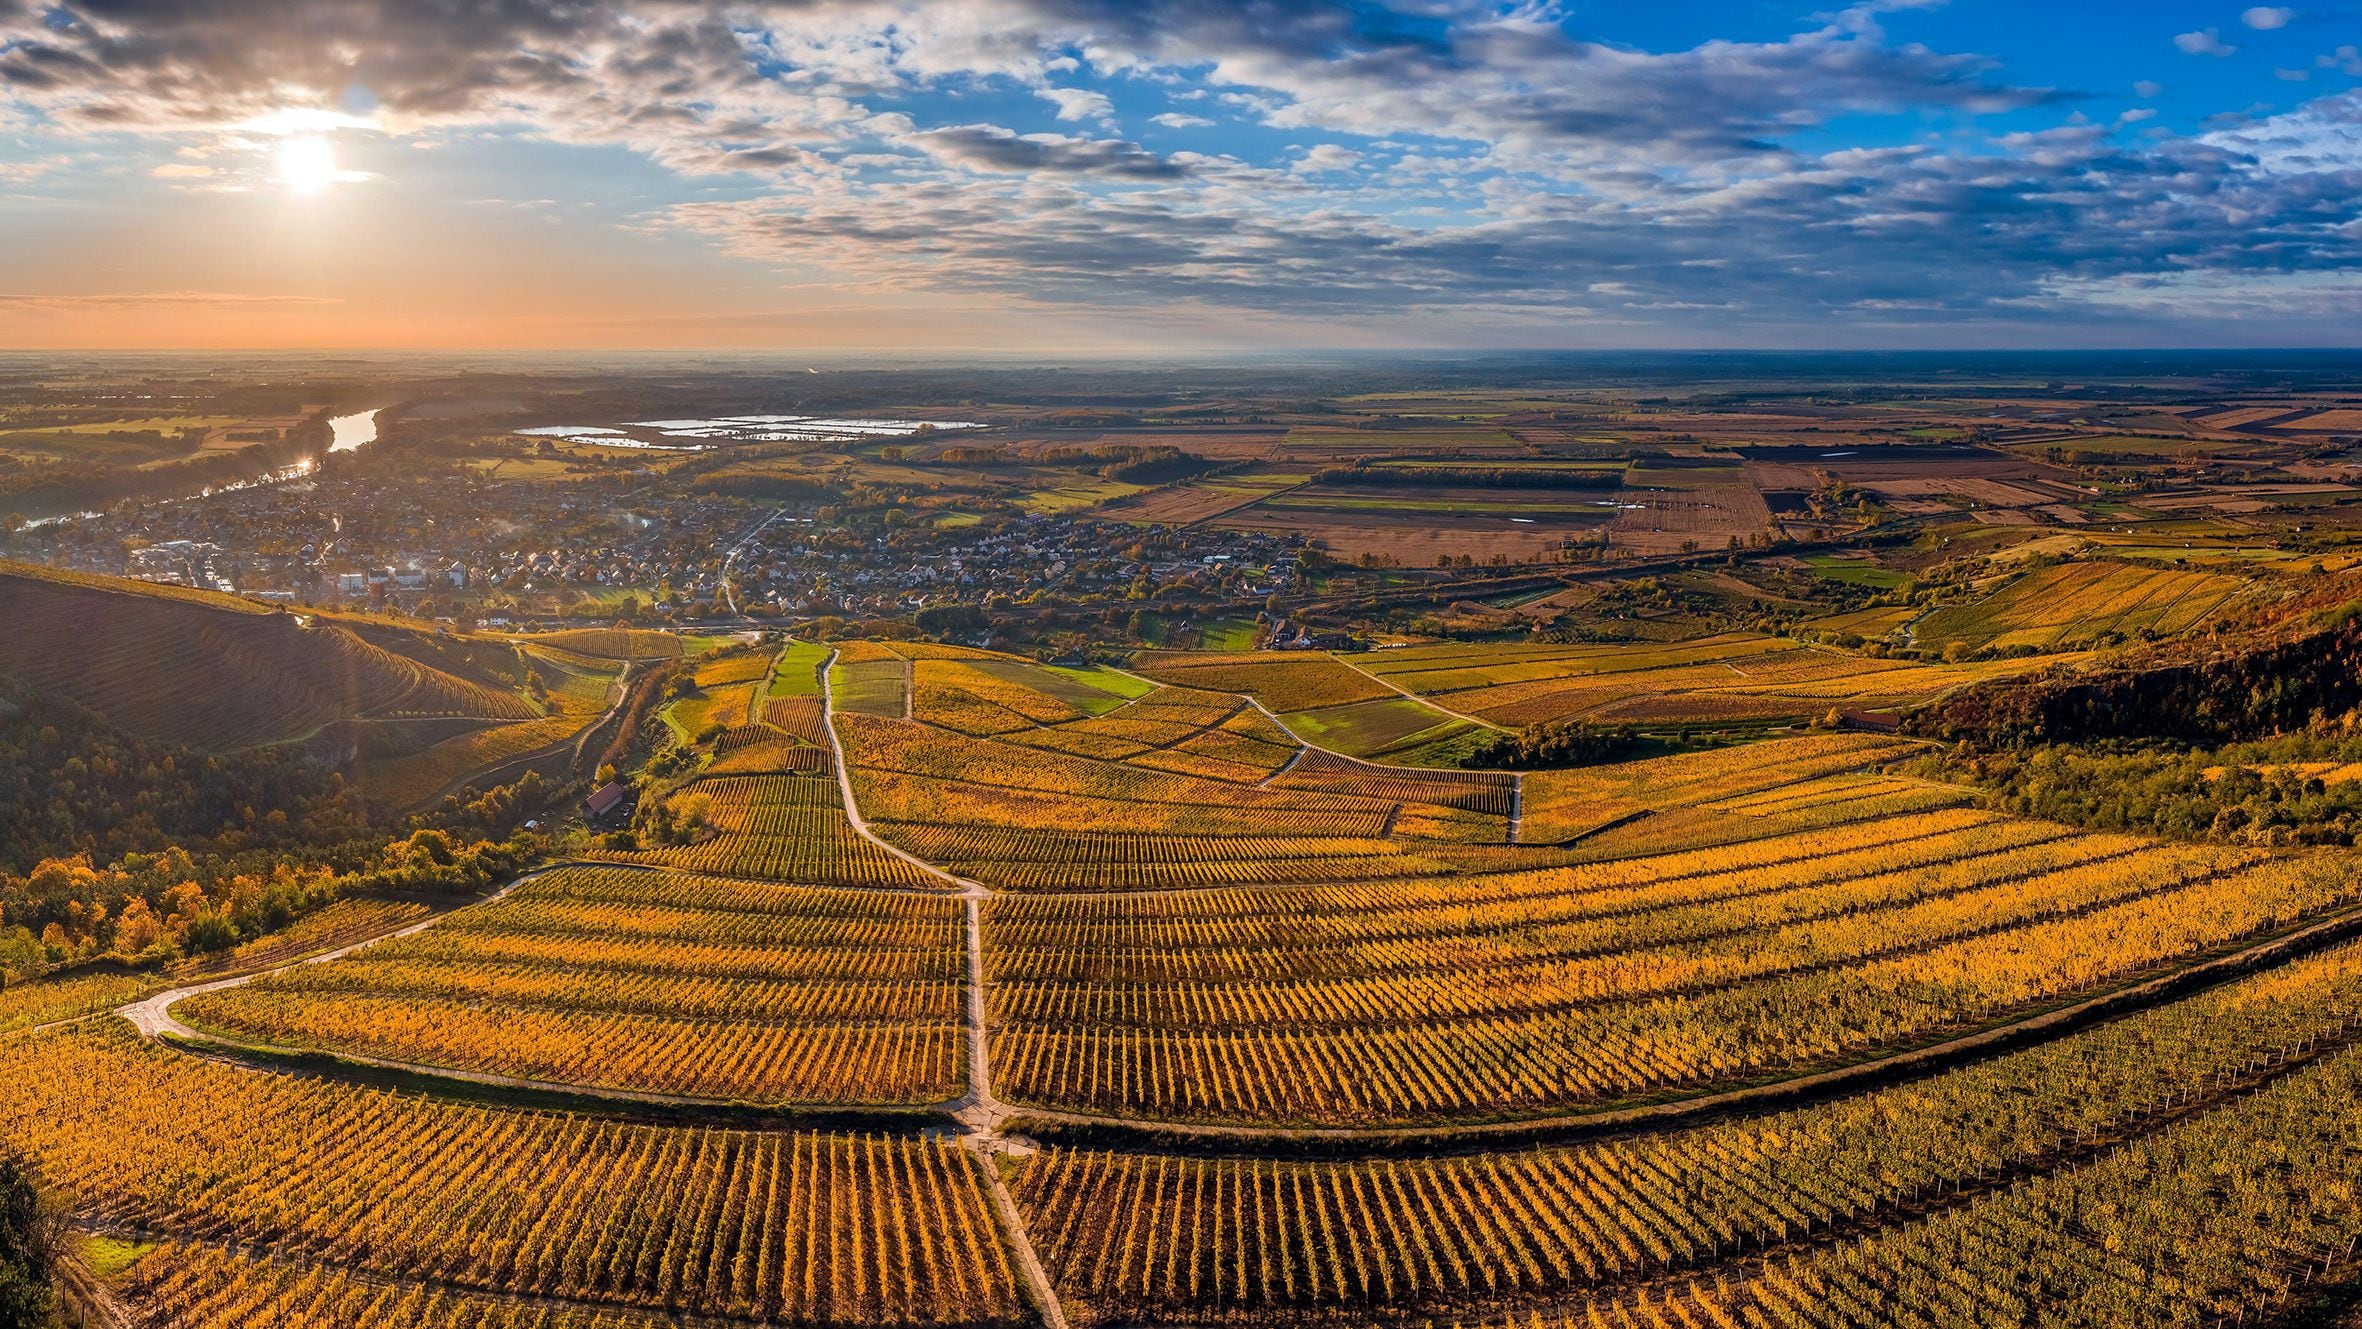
x: 1427, y: 702
x: 978, y: 1113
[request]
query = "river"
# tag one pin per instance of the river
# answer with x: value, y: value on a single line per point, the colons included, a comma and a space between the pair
x: 352, y: 431
x: 345, y: 434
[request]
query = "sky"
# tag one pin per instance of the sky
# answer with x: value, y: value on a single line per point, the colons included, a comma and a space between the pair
x: 1129, y: 177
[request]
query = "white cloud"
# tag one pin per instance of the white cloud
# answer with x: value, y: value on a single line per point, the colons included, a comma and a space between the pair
x: 2265, y: 18
x: 1078, y: 103
x: 2146, y: 88
x: 1326, y: 157
x: 2207, y: 42
x: 1176, y: 120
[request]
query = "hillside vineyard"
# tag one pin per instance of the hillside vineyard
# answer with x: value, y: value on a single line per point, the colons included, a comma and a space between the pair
x: 928, y: 985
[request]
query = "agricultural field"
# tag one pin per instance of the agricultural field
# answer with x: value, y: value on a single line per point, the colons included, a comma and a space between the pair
x: 654, y: 982
x: 357, y: 1192
x: 218, y: 673
x: 1658, y: 1225
x: 2078, y: 604
x: 1732, y: 678
x: 1826, y: 921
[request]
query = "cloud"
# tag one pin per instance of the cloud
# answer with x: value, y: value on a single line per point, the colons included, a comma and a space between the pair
x: 2145, y: 88
x: 1327, y: 157
x: 2266, y: 18
x: 1528, y: 169
x: 2206, y: 42
x: 992, y: 148
x: 1078, y: 103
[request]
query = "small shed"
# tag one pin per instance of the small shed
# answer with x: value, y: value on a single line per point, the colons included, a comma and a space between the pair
x: 611, y: 804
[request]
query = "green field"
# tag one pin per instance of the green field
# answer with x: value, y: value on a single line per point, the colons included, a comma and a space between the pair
x: 1077, y: 496
x: 871, y: 687
x: 1091, y: 690
x: 1855, y: 571
x: 792, y: 675
x: 1370, y: 728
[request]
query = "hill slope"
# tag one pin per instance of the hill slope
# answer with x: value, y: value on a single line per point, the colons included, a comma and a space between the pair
x: 212, y: 671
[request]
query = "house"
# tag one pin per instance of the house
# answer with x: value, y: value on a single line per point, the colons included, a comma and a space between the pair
x: 611, y: 804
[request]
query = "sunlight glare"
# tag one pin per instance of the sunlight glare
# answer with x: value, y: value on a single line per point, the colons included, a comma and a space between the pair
x: 307, y: 164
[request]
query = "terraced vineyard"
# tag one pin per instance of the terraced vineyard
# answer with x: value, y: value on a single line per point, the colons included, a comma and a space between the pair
x: 1161, y: 1015
x: 1181, y: 1239
x: 798, y: 1227
x: 647, y: 981
x: 1737, y: 678
x: 212, y: 672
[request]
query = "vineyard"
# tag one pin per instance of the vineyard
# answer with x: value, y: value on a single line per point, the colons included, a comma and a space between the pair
x: 626, y: 644
x: 192, y: 670
x: 782, y: 1227
x: 1028, y: 816
x: 645, y: 981
x: 2077, y: 604
x: 1735, y: 678
x: 1181, y: 1238
x: 1589, y: 984
x: 1209, y: 1025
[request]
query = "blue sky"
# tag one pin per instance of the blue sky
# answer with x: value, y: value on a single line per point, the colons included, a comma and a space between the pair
x: 1078, y: 175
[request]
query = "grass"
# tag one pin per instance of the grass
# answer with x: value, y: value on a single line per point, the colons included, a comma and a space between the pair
x: 108, y: 1257
x: 1361, y: 728
x: 1124, y: 686
x: 1855, y: 571
x: 1228, y: 634
x: 1091, y: 690
x: 1076, y: 497
x: 794, y: 675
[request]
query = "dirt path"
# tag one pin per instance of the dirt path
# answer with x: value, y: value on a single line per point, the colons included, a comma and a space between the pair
x: 152, y: 1015
x: 979, y: 1113
x: 1429, y: 702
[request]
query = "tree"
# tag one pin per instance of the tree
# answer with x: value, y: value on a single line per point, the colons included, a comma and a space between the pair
x: 31, y: 1226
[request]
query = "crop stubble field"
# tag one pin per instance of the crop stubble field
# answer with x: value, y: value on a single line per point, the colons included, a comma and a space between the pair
x: 1189, y: 918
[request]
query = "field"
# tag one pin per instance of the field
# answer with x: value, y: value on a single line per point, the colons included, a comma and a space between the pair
x: 1828, y: 917
x: 483, y: 1204
x: 1213, y: 991
x: 646, y: 981
x: 2078, y: 604
x: 1191, y: 1240
x: 218, y: 673
x: 1732, y: 678
x: 1665, y: 510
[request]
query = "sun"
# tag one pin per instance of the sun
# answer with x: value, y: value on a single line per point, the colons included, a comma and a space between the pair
x: 307, y: 164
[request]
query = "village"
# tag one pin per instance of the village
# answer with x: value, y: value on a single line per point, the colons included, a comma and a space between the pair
x: 464, y: 549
